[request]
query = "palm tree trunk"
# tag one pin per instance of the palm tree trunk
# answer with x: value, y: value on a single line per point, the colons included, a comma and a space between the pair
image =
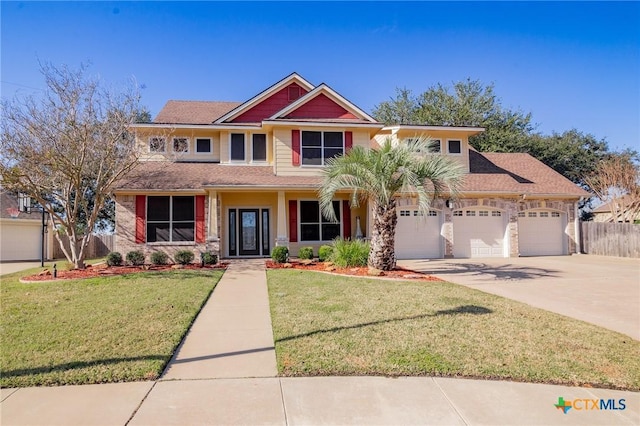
x: 382, y: 254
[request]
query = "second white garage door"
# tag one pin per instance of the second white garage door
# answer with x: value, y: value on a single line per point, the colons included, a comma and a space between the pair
x: 479, y: 233
x: 541, y: 233
x: 418, y: 237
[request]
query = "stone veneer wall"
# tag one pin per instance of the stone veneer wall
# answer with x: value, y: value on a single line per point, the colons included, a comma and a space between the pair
x: 125, y: 240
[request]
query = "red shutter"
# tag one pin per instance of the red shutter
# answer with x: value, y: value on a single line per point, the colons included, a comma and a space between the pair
x: 199, y: 218
x: 141, y: 218
x: 293, y: 221
x: 295, y: 147
x: 348, y: 141
x: 346, y: 219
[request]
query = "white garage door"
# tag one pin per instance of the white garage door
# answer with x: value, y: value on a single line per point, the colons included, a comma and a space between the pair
x: 479, y: 233
x: 20, y: 239
x: 418, y: 237
x: 541, y: 233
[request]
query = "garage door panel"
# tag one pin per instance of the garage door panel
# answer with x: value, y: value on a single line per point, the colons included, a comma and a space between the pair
x: 417, y: 236
x: 20, y: 240
x: 541, y: 233
x: 478, y: 233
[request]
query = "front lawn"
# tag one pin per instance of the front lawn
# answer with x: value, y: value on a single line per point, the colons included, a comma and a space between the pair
x: 331, y: 325
x: 107, y: 329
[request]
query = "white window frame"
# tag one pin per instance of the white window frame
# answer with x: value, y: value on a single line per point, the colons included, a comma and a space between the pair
x: 195, y: 147
x: 266, y: 148
x: 170, y: 221
x: 244, y: 135
x: 164, y: 144
x: 322, y: 147
x: 449, y: 151
x: 174, y: 139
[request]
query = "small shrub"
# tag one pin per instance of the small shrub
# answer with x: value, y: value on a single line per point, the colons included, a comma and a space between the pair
x: 159, y: 258
x: 350, y: 253
x: 305, y: 253
x: 114, y: 259
x: 184, y: 257
x: 135, y: 258
x: 280, y: 254
x: 324, y: 253
x: 209, y: 258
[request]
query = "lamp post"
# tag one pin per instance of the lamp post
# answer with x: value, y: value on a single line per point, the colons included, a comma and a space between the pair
x: 24, y: 205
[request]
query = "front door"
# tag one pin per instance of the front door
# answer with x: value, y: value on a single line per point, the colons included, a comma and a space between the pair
x: 248, y: 232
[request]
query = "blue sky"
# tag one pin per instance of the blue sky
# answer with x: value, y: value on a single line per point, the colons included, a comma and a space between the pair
x: 571, y: 64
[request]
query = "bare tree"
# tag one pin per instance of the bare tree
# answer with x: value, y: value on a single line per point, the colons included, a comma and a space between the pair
x: 67, y: 149
x: 615, y: 181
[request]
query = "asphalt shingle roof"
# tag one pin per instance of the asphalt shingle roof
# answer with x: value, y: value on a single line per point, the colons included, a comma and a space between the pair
x: 193, y: 112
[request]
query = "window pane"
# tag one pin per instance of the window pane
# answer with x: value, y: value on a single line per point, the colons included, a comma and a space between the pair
x: 434, y: 146
x: 312, y: 156
x: 259, y: 147
x: 309, y: 212
x: 157, y: 208
x: 156, y: 144
x: 180, y: 145
x: 232, y: 232
x: 333, y: 139
x: 336, y: 208
x: 454, y: 147
x: 310, y: 232
x: 183, y: 232
x: 265, y: 232
x: 312, y: 139
x: 332, y: 152
x: 157, y: 232
x: 330, y: 231
x: 237, y: 146
x: 183, y: 208
x: 203, y: 145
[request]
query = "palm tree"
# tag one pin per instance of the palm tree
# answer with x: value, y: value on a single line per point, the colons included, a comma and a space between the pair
x: 381, y: 176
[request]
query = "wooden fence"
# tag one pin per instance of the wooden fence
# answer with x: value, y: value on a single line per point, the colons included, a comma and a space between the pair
x: 99, y: 245
x: 610, y: 239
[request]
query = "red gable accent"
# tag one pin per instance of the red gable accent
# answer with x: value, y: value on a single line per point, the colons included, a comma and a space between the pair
x: 320, y: 107
x: 271, y: 105
x: 141, y: 218
x: 200, y: 219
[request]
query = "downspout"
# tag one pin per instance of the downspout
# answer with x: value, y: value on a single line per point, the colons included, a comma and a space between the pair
x: 577, y: 226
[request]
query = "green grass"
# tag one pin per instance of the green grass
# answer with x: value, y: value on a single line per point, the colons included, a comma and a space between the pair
x: 329, y: 325
x: 99, y: 330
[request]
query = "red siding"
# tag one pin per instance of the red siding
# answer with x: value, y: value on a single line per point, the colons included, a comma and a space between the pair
x: 293, y: 221
x: 346, y: 219
x: 141, y: 218
x: 348, y: 141
x: 295, y: 147
x: 320, y: 107
x: 199, y: 218
x: 269, y: 106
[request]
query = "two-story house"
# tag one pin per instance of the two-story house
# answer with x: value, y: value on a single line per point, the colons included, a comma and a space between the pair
x: 241, y: 178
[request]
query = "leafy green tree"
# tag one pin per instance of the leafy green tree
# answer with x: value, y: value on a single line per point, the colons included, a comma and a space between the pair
x: 381, y: 176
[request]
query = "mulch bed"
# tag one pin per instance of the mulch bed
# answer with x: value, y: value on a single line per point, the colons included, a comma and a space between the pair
x: 102, y: 270
x: 397, y: 273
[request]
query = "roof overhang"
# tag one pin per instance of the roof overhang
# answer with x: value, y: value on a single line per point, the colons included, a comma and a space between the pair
x: 422, y: 129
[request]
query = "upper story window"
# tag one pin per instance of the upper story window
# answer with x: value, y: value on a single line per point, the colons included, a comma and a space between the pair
x: 454, y: 146
x: 237, y: 147
x: 259, y: 147
x: 170, y: 218
x: 157, y: 144
x: 203, y: 145
x: 318, y: 147
x: 181, y: 145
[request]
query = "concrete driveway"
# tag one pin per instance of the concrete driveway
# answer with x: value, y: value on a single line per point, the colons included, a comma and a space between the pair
x: 11, y: 267
x: 601, y: 290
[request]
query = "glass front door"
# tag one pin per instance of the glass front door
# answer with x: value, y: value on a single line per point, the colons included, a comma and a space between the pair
x: 248, y: 232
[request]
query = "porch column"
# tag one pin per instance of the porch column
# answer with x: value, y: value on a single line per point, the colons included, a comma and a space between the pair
x: 282, y: 238
x: 213, y: 239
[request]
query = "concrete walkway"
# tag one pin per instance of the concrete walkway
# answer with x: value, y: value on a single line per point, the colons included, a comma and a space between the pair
x: 224, y: 374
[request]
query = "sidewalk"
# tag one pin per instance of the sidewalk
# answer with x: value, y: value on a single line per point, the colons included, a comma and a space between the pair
x: 225, y: 373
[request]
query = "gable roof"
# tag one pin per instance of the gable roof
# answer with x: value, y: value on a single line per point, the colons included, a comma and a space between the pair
x: 193, y: 112
x: 606, y: 207
x: 292, y: 78
x: 323, y: 91
x: 8, y: 200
